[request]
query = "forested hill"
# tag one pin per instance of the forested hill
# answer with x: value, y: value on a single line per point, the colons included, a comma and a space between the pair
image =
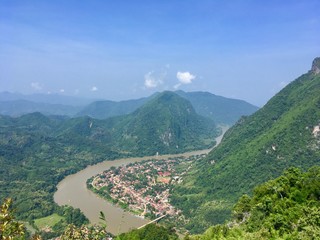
x: 37, y: 151
x: 287, y: 207
x: 106, y: 108
x: 284, y: 133
x: 167, y: 123
x: 220, y: 109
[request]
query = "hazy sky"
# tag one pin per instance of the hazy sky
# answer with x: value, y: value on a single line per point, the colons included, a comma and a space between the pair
x: 128, y: 49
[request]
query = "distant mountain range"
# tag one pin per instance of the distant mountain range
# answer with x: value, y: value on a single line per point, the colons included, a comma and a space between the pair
x: 20, y: 107
x: 36, y: 151
x: 220, y: 109
x: 47, y: 98
x: 282, y: 134
x: 16, y: 104
x: 106, y: 108
x: 166, y: 123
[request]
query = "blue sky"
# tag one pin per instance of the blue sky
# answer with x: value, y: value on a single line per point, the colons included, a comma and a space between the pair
x: 128, y: 49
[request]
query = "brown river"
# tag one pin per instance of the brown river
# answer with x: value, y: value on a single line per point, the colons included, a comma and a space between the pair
x: 72, y: 191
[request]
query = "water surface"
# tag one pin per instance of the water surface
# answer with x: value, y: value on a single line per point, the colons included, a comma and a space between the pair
x: 73, y: 191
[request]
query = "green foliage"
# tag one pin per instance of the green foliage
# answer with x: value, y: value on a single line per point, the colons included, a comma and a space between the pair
x: 84, y: 233
x: 150, y: 232
x: 9, y: 227
x: 33, y: 160
x: 107, y: 109
x: 284, y: 208
x: 165, y: 124
x: 222, y: 110
x: 258, y: 148
x: 36, y: 151
x: 49, y: 221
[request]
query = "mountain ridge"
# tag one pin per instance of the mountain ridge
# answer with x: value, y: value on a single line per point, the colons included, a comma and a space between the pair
x: 257, y: 148
x: 225, y: 111
x: 169, y: 122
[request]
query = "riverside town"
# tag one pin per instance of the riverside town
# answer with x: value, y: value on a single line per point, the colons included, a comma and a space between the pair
x: 143, y: 188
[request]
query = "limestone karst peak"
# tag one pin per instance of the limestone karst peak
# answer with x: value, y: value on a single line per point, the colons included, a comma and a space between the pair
x: 315, y: 69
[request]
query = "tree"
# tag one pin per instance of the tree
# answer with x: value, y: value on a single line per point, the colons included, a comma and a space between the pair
x: 84, y: 233
x: 9, y: 228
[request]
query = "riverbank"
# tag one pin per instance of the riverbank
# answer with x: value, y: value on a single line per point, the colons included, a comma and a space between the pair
x: 143, y: 188
x: 73, y: 191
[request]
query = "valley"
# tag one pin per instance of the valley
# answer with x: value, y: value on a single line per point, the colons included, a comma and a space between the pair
x: 73, y: 191
x: 232, y: 187
x: 159, y: 120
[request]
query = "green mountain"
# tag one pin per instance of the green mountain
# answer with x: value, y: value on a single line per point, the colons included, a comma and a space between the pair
x: 33, y: 160
x: 37, y: 151
x: 21, y: 107
x: 220, y: 109
x: 53, y: 98
x: 167, y: 123
x: 15, y: 104
x: 287, y: 207
x: 106, y: 109
x: 284, y: 133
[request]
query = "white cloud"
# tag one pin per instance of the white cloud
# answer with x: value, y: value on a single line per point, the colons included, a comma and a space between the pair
x: 94, y: 89
x: 62, y: 90
x: 36, y: 86
x: 152, y: 81
x: 184, y: 78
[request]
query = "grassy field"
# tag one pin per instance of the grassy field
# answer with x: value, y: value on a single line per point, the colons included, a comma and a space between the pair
x: 48, y: 221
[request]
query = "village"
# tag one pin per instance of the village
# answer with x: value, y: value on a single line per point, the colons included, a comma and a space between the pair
x: 144, y: 187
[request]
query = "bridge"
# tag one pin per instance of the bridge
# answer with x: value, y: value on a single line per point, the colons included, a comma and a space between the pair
x: 155, y: 220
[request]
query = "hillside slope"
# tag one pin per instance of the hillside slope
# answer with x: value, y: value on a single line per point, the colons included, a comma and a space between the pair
x: 166, y: 124
x: 287, y: 207
x: 106, y: 109
x: 20, y: 107
x: 220, y: 109
x: 284, y: 133
x: 37, y: 151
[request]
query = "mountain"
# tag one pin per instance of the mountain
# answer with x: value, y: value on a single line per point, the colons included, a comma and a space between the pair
x: 106, y: 109
x: 16, y: 104
x: 20, y: 107
x: 220, y: 109
x: 284, y: 133
x: 53, y: 98
x: 37, y: 151
x: 167, y: 123
x: 287, y: 207
x: 33, y: 160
